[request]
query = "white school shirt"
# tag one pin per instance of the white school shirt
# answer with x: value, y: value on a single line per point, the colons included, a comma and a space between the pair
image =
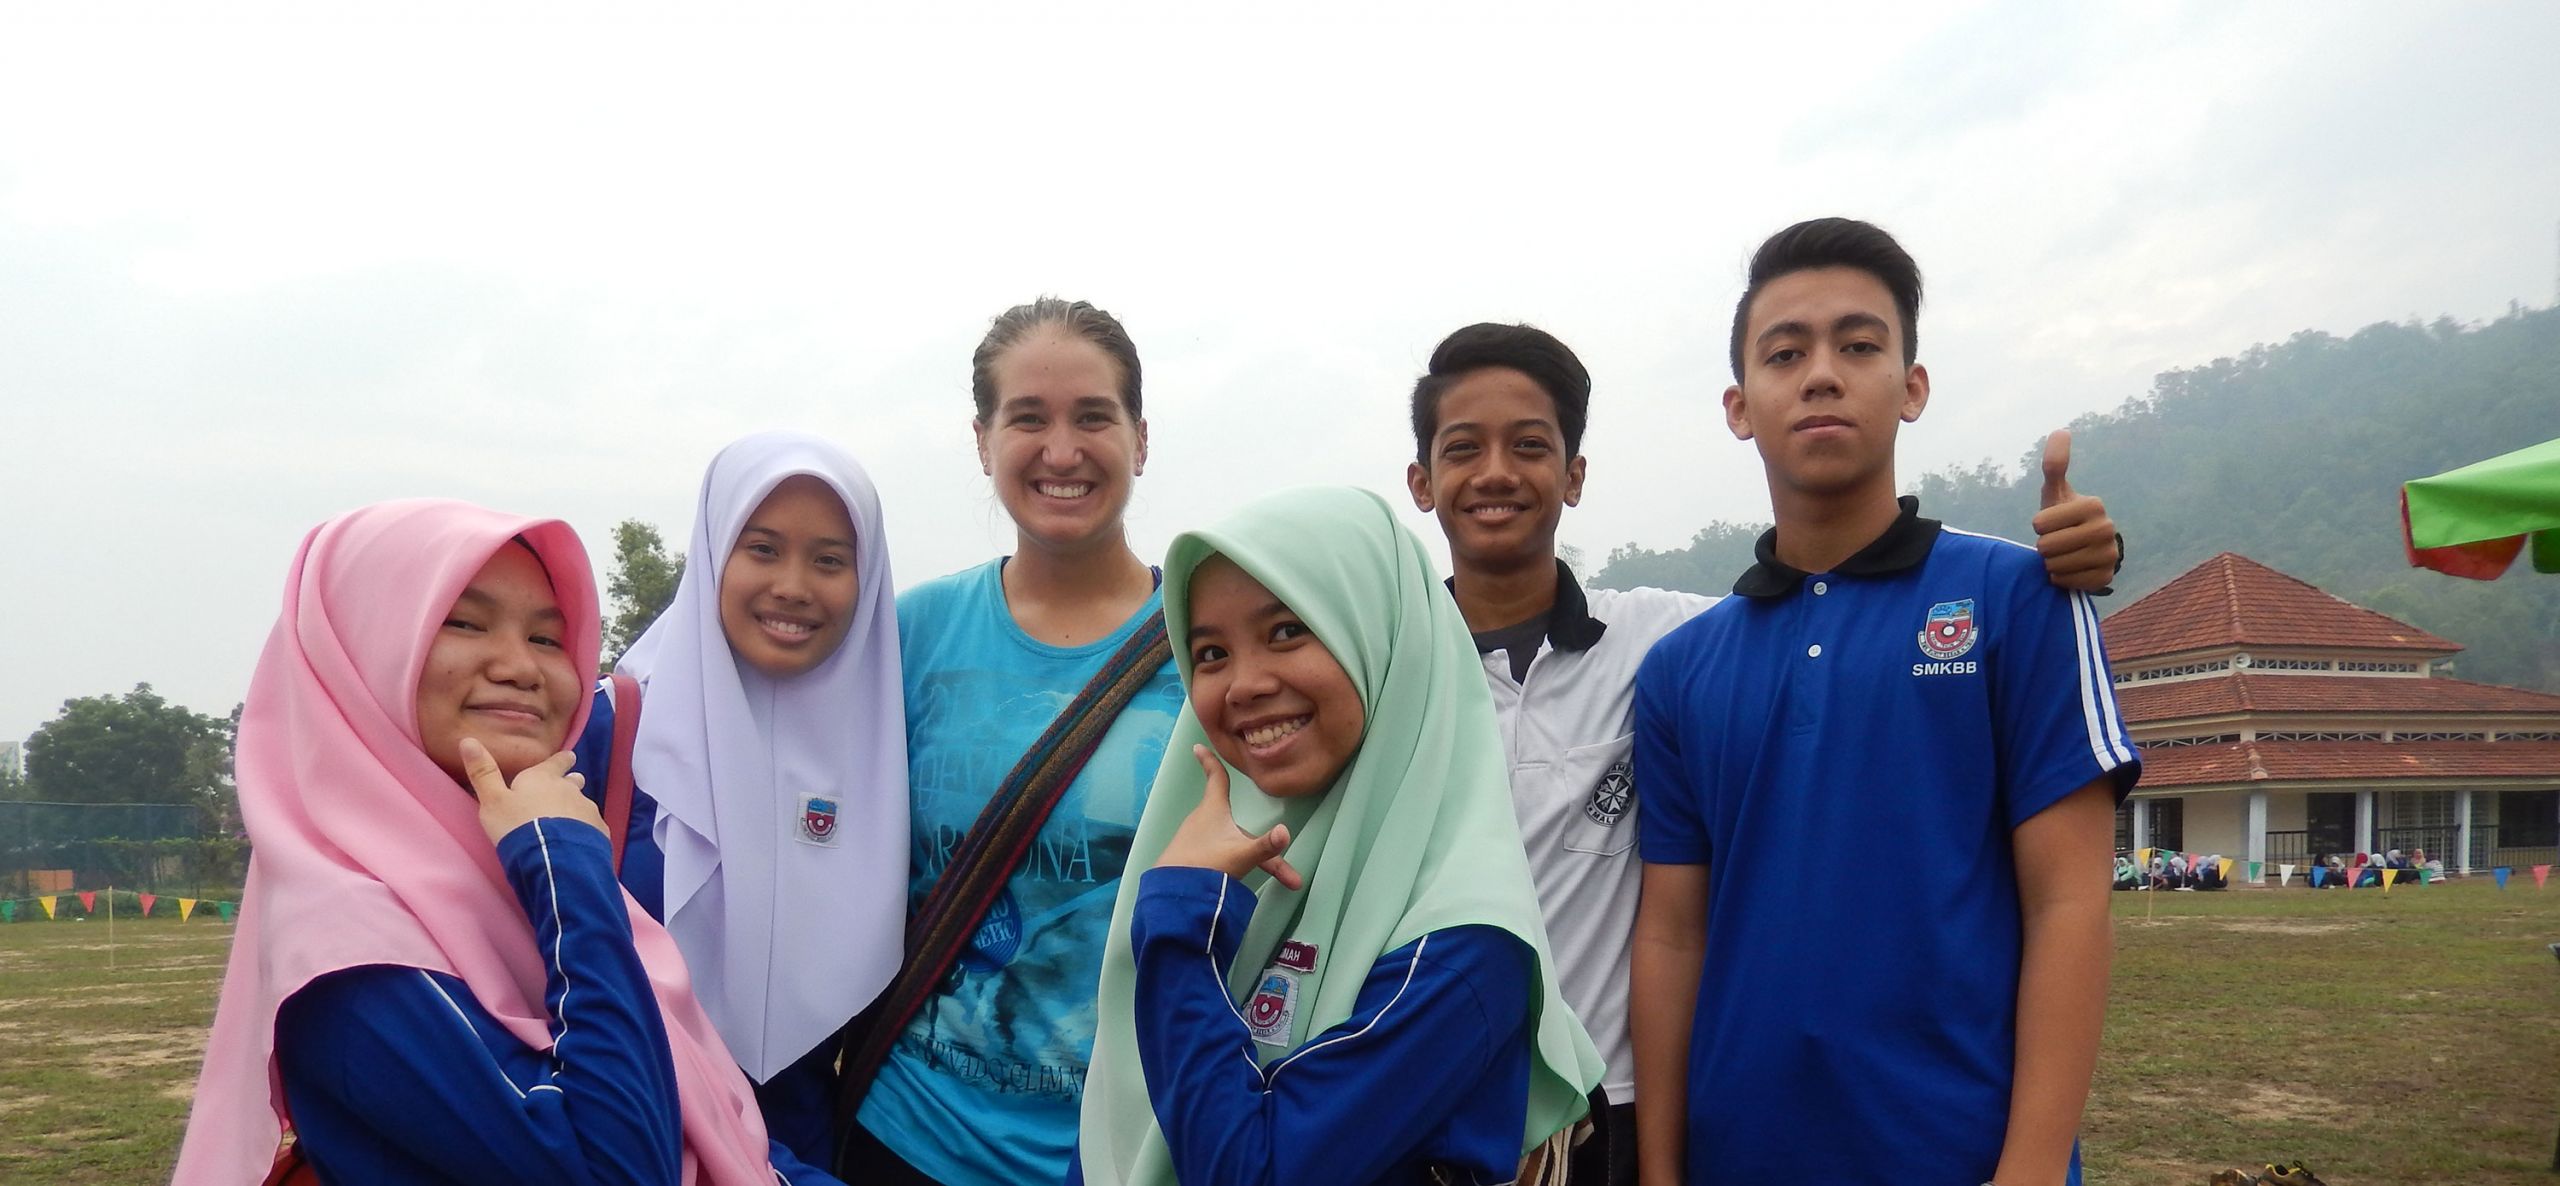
x: 1568, y: 732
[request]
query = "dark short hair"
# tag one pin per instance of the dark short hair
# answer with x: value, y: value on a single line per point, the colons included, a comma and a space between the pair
x: 1078, y: 318
x: 1835, y: 243
x: 1524, y: 348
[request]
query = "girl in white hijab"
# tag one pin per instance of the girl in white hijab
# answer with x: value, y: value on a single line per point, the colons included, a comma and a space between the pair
x: 768, y: 827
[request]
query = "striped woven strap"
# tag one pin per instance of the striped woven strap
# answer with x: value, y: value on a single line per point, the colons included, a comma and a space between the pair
x: 987, y: 857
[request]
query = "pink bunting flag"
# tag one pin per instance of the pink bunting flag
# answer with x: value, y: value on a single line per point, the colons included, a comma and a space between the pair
x: 2541, y: 873
x: 88, y: 901
x: 147, y: 900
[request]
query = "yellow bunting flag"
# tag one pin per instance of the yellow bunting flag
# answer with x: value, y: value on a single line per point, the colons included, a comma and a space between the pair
x: 47, y: 903
x: 186, y: 908
x: 2143, y: 858
x: 2389, y: 876
x: 2226, y: 868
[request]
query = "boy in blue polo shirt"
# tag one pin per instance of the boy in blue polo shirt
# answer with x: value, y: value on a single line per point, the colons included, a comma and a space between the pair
x: 1880, y: 787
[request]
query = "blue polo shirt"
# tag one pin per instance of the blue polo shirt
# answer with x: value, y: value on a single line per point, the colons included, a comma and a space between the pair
x: 1848, y: 753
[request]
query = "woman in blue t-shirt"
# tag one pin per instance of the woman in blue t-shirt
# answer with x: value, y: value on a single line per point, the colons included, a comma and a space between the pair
x: 986, y: 1083
x: 768, y: 823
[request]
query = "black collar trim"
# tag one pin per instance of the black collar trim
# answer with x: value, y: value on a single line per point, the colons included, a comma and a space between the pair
x: 1570, y: 625
x: 1902, y: 546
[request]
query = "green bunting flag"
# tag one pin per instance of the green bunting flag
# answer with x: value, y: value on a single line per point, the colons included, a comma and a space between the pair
x: 8, y: 912
x: 226, y: 908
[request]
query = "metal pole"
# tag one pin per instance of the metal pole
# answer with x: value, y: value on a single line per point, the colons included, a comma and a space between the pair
x: 2555, y: 1141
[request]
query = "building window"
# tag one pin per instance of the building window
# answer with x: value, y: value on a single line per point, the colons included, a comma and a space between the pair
x: 2528, y: 819
x: 2168, y: 823
x: 2124, y: 826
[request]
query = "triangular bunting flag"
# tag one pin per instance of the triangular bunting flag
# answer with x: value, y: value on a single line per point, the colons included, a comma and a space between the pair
x: 186, y: 909
x: 226, y: 908
x: 8, y: 912
x: 2142, y: 857
x: 2319, y: 876
x: 2389, y: 876
x: 48, y: 903
x: 2499, y: 875
x: 2284, y: 875
x: 2225, y: 869
x: 88, y: 901
x: 147, y: 900
x: 2541, y: 873
x: 2255, y: 870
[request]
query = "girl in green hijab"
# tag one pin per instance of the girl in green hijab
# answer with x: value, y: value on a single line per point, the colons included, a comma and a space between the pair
x: 1333, y: 970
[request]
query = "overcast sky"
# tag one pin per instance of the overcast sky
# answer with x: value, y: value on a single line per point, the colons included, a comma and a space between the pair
x: 257, y: 272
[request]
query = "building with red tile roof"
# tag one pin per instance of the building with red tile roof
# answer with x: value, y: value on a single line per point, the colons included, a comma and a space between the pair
x: 2280, y: 724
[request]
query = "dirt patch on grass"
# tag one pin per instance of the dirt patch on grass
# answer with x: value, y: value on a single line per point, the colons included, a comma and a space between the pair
x: 2286, y: 926
x: 2263, y: 1102
x: 2254, y: 1103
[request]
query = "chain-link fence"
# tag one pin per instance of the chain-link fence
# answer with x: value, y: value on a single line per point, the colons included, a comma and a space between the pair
x: 49, y: 848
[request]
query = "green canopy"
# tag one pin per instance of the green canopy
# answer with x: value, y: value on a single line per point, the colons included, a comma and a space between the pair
x: 2472, y: 522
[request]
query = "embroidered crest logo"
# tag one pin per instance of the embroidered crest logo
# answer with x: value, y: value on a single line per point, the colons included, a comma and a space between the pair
x: 1609, y: 799
x: 817, y: 820
x: 1949, y: 632
x: 1274, y: 1002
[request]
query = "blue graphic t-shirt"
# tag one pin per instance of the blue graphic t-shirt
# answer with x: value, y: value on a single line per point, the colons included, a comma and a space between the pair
x: 987, y: 1083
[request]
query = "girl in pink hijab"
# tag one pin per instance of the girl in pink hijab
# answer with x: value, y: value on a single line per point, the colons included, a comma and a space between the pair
x: 436, y: 978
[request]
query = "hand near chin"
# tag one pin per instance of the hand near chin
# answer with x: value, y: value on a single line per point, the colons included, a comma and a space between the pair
x: 545, y: 790
x: 1210, y: 839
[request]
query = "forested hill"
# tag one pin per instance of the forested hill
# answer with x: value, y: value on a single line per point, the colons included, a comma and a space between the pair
x: 2291, y: 455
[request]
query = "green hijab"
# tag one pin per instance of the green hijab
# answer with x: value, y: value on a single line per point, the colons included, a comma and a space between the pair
x: 1419, y: 823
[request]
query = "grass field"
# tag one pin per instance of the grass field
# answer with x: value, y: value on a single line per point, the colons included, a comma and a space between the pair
x: 2385, y: 1040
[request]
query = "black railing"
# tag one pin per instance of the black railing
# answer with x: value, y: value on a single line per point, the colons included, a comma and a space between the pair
x: 2439, y: 842
x: 2288, y: 848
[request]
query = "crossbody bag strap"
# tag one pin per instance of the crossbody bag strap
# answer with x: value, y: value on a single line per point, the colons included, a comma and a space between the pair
x: 987, y: 857
x: 617, y: 779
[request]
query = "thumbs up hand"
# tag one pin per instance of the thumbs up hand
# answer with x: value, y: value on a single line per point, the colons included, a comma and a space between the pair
x: 2079, y: 543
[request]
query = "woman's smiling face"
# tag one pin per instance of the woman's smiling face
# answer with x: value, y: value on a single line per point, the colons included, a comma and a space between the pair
x: 1274, y: 702
x: 1060, y: 442
x: 499, y: 669
x: 787, y: 589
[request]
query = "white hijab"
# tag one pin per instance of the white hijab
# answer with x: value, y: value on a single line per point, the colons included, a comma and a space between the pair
x: 787, y: 939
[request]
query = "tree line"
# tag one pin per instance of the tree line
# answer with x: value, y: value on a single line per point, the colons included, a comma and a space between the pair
x: 2291, y: 454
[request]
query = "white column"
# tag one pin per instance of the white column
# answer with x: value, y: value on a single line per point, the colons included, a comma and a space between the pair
x: 2258, y: 834
x: 2364, y: 821
x: 2142, y: 827
x: 2462, y: 830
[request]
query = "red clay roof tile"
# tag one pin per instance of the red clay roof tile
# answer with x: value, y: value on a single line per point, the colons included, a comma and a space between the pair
x: 2231, y: 600
x: 2346, y: 761
x: 2241, y: 691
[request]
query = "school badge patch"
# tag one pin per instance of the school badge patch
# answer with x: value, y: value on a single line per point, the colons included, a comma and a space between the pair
x: 818, y: 820
x: 1274, y: 1003
x: 1609, y: 799
x: 1949, y: 632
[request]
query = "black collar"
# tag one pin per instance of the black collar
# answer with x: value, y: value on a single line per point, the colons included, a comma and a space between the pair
x: 1902, y: 546
x: 1569, y: 624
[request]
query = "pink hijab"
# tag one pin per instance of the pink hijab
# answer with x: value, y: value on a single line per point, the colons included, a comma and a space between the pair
x: 366, y: 852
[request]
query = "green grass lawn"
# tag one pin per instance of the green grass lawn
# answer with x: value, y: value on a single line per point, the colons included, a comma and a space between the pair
x: 2391, y: 1039
x: 97, y: 1060
x: 2407, y: 1038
